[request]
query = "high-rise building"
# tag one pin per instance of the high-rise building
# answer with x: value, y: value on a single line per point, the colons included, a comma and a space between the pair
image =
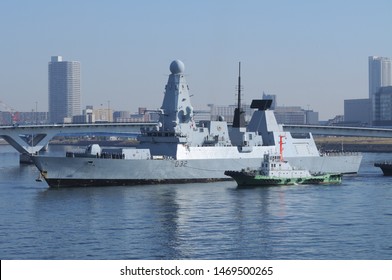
x: 383, y: 107
x: 380, y: 75
x: 358, y: 111
x: 273, y: 98
x: 64, y: 89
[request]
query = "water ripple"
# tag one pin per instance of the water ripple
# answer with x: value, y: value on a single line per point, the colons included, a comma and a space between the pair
x: 195, y: 221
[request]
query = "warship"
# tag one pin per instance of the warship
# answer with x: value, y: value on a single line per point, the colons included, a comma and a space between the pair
x: 179, y: 150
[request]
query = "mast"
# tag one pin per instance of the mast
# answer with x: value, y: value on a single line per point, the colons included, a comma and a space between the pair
x: 281, y: 147
x: 239, y: 86
x: 239, y: 115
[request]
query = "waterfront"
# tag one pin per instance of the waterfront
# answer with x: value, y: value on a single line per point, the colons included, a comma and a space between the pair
x: 194, y: 221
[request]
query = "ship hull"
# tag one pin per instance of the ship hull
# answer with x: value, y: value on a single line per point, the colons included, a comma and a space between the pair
x: 74, y: 172
x: 69, y: 183
x: 247, y: 179
x: 386, y: 168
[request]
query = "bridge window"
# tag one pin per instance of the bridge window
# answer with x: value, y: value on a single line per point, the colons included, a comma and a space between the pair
x: 301, y: 135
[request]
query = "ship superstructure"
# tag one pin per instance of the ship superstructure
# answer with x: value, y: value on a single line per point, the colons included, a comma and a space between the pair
x: 179, y: 150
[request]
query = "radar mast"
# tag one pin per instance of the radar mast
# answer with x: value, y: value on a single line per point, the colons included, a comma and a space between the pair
x: 239, y: 114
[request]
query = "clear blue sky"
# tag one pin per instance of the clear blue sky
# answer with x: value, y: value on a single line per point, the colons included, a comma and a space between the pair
x: 309, y: 53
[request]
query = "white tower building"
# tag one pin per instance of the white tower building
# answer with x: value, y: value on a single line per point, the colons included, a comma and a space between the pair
x: 380, y: 73
x: 64, y: 89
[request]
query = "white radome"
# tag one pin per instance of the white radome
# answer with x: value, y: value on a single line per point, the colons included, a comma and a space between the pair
x: 177, y: 67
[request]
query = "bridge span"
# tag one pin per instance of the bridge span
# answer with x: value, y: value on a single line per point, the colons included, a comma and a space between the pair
x: 340, y: 130
x: 30, y: 139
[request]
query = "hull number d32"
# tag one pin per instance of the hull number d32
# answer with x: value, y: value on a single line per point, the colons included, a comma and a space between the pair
x: 181, y: 163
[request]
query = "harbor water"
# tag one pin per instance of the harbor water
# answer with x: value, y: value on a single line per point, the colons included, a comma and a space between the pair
x: 351, y: 221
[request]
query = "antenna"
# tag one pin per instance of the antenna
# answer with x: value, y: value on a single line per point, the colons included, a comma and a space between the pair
x: 239, y: 115
x: 239, y: 86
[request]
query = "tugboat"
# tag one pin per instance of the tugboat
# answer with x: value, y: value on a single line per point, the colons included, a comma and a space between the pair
x: 275, y: 170
x: 385, y: 166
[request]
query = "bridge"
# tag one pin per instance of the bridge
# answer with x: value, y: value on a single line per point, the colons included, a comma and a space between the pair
x: 30, y: 139
x: 340, y: 130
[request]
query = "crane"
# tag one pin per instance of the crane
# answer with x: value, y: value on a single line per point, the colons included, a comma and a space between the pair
x: 13, y: 113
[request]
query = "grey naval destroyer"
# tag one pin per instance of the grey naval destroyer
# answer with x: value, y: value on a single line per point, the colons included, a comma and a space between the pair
x: 180, y: 151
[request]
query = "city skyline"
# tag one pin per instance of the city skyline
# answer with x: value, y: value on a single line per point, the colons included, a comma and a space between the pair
x: 313, y: 55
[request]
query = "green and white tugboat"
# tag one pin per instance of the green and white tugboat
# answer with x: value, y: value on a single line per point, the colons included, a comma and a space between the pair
x: 274, y: 170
